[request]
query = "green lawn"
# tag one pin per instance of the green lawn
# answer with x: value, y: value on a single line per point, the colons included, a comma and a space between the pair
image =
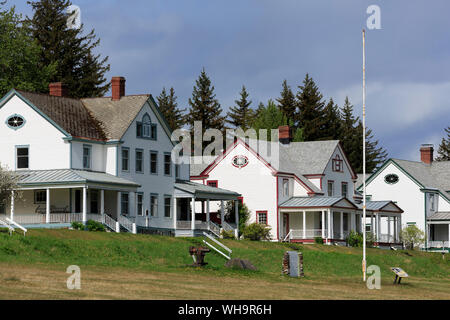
x: 145, y: 254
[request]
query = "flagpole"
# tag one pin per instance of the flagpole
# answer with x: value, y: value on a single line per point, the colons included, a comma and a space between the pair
x: 364, y: 156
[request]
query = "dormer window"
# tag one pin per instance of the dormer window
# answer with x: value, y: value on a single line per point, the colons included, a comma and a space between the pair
x: 145, y: 128
x: 338, y: 164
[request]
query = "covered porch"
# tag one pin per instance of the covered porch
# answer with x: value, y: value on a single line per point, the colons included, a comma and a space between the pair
x: 192, y: 210
x: 303, y: 219
x: 60, y: 197
x: 438, y: 231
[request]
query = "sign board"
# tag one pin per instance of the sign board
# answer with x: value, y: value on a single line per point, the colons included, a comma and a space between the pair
x: 399, y: 272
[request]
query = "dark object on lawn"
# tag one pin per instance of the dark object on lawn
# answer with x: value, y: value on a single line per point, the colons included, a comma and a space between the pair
x: 399, y: 274
x: 198, y: 255
x: 240, y: 264
x: 293, y: 264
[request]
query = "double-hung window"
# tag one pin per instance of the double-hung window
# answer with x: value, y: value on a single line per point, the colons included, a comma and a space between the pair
x: 154, y: 205
x: 139, y: 161
x: 23, y: 157
x: 167, y: 164
x: 124, y: 203
x: 40, y: 196
x: 154, y: 162
x: 167, y: 205
x: 140, y: 208
x: 344, y: 189
x: 87, y: 156
x: 125, y: 159
x: 285, y: 187
x: 330, y: 188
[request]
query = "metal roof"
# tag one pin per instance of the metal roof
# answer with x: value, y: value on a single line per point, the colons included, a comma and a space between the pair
x: 200, y: 190
x: 69, y: 176
x: 440, y: 216
x: 313, y: 201
x: 374, y: 205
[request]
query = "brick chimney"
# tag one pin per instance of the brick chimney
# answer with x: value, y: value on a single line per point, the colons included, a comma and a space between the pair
x: 58, y: 89
x: 118, y: 88
x: 426, y: 153
x: 284, y: 134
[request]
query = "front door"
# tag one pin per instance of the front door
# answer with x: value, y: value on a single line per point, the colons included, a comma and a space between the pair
x: 77, y: 201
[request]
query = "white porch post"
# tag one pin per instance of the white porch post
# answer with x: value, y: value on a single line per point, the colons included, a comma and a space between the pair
x: 193, y: 213
x: 389, y: 228
x: 378, y: 226
x: 119, y: 209
x: 399, y: 227
x: 208, y: 215
x: 222, y: 212
x: 323, y: 224
x: 12, y: 206
x: 372, y: 228
x: 304, y: 224
x: 341, y: 236
x: 84, y: 205
x: 236, y: 213
x: 353, y: 221
x: 102, y: 201
x: 47, y: 206
x: 329, y: 224
x: 175, y: 213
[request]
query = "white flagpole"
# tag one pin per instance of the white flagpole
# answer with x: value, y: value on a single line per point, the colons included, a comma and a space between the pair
x: 364, y: 156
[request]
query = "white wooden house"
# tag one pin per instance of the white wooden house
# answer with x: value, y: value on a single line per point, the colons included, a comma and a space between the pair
x: 106, y: 159
x: 307, y: 193
x: 421, y: 189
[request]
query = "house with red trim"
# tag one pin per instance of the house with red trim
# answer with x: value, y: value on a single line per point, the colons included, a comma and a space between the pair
x: 305, y: 191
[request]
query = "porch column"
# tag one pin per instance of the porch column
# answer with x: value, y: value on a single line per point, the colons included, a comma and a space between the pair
x: 372, y: 228
x: 236, y: 217
x: 342, y: 225
x: 47, y: 207
x: 222, y: 212
x: 389, y: 227
x: 304, y: 224
x: 193, y: 213
x: 399, y: 227
x: 208, y: 215
x: 12, y: 206
x: 84, y: 205
x: 329, y: 224
x: 353, y: 221
x: 102, y: 201
x: 323, y: 224
x: 119, y: 210
x: 378, y: 226
x: 175, y: 213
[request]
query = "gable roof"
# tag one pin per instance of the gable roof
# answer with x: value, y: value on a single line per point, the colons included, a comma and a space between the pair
x: 69, y: 114
x: 115, y: 117
x: 428, y: 176
x: 314, y: 202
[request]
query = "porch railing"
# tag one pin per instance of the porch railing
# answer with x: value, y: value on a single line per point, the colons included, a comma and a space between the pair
x: 127, y: 224
x: 438, y: 244
x: 110, y: 223
x: 226, y: 226
x: 214, y: 228
x: 309, y: 234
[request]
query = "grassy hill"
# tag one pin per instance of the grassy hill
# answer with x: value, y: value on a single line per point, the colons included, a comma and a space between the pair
x: 53, y: 250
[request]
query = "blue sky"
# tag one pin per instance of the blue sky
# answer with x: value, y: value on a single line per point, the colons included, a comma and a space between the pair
x: 259, y: 43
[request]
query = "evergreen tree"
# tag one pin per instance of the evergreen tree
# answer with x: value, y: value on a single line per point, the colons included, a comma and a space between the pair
x: 19, y: 56
x: 169, y: 108
x: 444, y: 147
x: 332, y: 122
x: 77, y: 66
x: 241, y: 115
x: 287, y: 103
x: 310, y: 110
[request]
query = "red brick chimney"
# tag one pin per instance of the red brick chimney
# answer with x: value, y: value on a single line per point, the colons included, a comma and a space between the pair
x: 118, y: 88
x: 284, y: 134
x: 58, y: 89
x: 426, y: 153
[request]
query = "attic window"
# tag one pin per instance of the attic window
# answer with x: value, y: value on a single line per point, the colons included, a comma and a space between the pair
x: 15, y: 122
x: 337, y: 164
x: 146, y: 129
x: 391, y: 178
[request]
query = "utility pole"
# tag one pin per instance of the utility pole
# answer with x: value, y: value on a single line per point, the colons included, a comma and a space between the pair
x: 364, y: 156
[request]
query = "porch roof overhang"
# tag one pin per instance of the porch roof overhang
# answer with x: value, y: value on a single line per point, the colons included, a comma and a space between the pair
x: 317, y: 203
x: 381, y: 206
x: 439, y: 217
x: 200, y: 191
x: 72, y: 178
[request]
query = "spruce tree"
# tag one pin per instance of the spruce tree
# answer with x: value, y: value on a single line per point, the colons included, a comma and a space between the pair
x: 169, y: 108
x: 241, y: 115
x: 287, y: 103
x: 310, y: 110
x: 444, y: 147
x: 332, y: 122
x: 77, y: 66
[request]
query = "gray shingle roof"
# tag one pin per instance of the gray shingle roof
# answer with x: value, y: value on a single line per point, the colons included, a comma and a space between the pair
x: 69, y: 176
x: 115, y: 117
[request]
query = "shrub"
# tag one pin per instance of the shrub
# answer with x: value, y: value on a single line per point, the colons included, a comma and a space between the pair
x: 318, y: 240
x: 256, y: 232
x: 355, y: 239
x: 77, y: 225
x: 370, y: 239
x: 227, y: 234
x: 95, y: 226
x: 412, y: 236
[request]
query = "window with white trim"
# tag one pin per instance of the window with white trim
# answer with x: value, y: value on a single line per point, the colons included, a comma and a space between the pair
x: 285, y: 187
x: 154, y: 205
x: 23, y: 160
x: 140, y: 208
x: 87, y: 156
x: 262, y: 217
x: 167, y: 206
x: 40, y: 196
x: 330, y: 188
